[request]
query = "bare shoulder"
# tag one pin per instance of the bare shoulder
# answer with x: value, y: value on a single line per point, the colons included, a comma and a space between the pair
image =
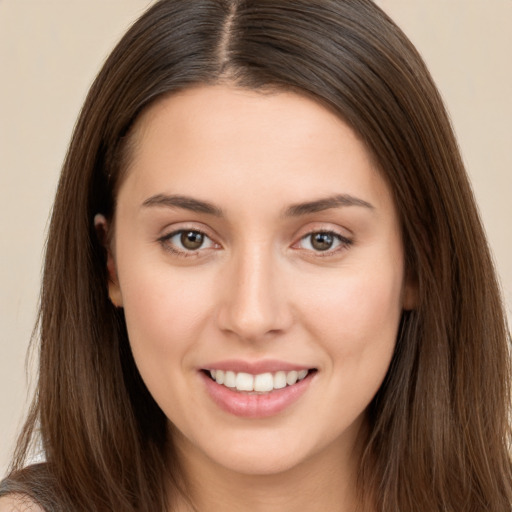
x: 18, y: 503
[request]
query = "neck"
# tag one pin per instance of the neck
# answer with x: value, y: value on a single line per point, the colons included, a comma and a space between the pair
x: 326, y: 481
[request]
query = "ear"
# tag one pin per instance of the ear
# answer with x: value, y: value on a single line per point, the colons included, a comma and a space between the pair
x: 114, y: 290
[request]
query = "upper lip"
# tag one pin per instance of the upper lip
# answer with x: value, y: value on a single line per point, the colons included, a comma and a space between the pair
x: 255, y: 367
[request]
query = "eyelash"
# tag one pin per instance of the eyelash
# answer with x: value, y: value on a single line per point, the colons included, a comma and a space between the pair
x: 165, y: 241
x: 343, y: 242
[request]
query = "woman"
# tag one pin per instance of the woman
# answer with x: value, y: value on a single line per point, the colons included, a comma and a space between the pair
x: 266, y: 283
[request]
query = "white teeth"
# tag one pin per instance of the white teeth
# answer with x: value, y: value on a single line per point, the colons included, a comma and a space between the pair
x: 280, y: 380
x: 261, y: 383
x: 229, y: 379
x: 291, y: 378
x: 244, y: 382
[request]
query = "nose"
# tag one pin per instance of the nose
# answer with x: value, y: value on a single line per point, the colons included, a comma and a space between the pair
x: 255, y: 304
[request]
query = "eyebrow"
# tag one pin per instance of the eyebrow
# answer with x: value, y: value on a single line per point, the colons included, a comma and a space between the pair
x: 327, y: 203
x: 184, y: 202
x: 296, y: 210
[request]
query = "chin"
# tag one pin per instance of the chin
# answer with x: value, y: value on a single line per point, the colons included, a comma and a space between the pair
x: 254, y: 464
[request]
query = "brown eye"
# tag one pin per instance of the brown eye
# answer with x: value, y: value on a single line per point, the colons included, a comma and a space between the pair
x: 187, y: 242
x: 321, y: 241
x: 326, y: 242
x: 191, y: 240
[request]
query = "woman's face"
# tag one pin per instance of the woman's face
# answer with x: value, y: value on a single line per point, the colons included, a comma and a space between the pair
x: 256, y: 241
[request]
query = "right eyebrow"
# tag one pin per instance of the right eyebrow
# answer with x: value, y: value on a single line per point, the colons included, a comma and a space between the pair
x: 183, y: 202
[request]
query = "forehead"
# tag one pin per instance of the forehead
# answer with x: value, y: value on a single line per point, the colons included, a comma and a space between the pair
x: 220, y: 111
x: 281, y: 142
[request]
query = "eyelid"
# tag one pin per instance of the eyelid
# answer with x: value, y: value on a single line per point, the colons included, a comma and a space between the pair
x: 178, y: 227
x: 324, y: 226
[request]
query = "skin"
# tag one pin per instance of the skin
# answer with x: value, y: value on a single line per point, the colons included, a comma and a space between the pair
x: 18, y: 503
x: 258, y: 289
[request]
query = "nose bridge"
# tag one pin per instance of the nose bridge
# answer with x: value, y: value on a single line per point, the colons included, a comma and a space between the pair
x: 255, y: 304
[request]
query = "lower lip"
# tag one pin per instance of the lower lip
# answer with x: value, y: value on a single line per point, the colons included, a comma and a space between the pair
x: 248, y: 405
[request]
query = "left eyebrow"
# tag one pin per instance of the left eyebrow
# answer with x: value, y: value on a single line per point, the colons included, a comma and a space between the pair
x: 327, y: 203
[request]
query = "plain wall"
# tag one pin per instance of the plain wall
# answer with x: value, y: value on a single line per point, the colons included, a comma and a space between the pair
x: 50, y: 51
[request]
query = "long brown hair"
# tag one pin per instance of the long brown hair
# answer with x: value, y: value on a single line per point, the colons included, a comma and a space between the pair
x: 439, y: 426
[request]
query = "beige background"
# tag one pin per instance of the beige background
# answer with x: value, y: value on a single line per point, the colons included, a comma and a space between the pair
x: 50, y: 51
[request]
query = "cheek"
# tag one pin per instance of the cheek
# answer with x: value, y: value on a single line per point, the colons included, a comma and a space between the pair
x: 165, y: 315
x: 165, y: 311
x: 357, y: 324
x: 361, y: 307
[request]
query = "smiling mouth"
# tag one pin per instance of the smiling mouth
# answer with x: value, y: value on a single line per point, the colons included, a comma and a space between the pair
x: 262, y: 383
